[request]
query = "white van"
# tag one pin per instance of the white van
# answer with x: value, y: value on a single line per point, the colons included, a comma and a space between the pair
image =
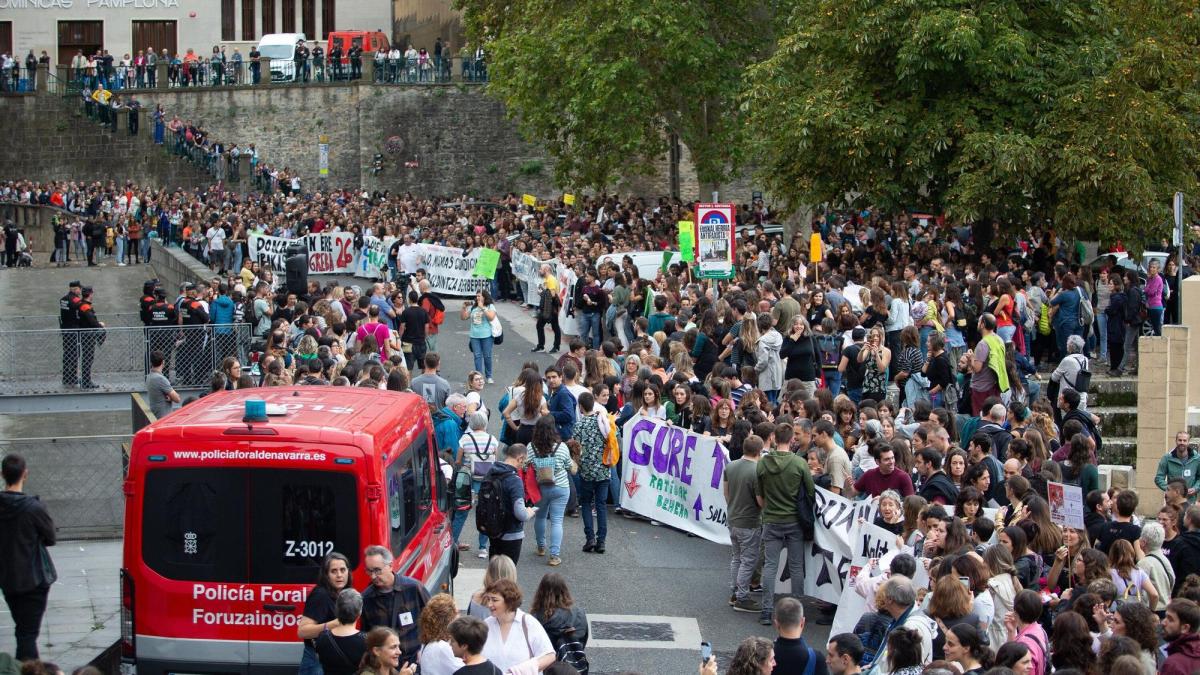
x: 648, y: 263
x: 281, y: 49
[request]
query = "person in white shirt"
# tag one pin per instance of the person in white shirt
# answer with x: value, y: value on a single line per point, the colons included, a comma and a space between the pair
x: 514, y: 637
x: 216, y: 246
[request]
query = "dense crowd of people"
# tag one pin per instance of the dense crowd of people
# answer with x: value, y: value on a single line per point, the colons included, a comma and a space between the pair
x: 942, y: 371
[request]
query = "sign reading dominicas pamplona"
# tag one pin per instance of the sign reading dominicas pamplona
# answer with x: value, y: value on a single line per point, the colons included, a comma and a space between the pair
x: 675, y: 477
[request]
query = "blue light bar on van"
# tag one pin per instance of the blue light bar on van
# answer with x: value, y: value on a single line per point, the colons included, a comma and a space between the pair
x: 157, y: 458
x: 256, y: 410
x: 343, y: 460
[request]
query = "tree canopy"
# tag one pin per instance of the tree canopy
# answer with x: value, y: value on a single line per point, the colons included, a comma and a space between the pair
x: 602, y: 84
x: 1081, y: 113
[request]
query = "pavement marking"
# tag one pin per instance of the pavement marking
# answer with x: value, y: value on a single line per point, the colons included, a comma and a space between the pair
x: 465, y: 584
x: 683, y: 631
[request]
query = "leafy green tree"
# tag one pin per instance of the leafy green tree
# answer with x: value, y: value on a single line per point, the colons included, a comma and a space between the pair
x: 1081, y: 113
x: 603, y: 84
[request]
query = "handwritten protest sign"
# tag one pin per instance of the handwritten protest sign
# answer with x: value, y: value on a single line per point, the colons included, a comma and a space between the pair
x: 1066, y: 505
x: 485, y: 266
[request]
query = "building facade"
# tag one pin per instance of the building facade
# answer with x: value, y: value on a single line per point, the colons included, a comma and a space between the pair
x: 64, y: 27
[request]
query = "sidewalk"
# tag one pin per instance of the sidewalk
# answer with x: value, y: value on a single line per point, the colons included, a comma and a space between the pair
x: 83, y: 616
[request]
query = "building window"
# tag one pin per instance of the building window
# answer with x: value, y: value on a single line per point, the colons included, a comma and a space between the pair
x: 248, y: 34
x: 227, y: 17
x: 289, y: 16
x: 268, y: 16
x: 308, y: 12
x: 328, y: 11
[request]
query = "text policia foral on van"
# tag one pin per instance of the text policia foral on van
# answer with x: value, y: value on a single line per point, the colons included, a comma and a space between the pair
x: 258, y: 594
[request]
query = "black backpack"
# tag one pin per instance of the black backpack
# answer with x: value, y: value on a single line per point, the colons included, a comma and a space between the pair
x: 806, y: 511
x: 492, y: 512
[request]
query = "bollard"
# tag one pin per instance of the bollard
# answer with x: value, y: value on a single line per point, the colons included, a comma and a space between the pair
x: 264, y: 71
x: 368, y: 70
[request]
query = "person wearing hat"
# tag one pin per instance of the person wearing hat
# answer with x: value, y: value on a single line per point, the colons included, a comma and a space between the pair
x: 91, y: 336
x: 161, y: 327
x: 68, y: 306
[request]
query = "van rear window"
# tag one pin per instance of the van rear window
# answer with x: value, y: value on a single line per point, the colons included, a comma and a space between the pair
x: 247, y: 525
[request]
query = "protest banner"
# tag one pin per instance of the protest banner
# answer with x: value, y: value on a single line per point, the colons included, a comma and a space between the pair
x: 373, y: 257
x: 527, y: 269
x: 566, y: 293
x: 871, y: 541
x: 449, y: 270
x: 1066, y: 504
x: 328, y: 252
x: 485, y: 266
x: 674, y: 476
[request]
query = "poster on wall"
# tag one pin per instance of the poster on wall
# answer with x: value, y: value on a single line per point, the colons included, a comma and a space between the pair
x: 714, y: 239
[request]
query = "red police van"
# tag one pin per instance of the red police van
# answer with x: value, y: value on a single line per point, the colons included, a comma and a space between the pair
x: 231, y: 505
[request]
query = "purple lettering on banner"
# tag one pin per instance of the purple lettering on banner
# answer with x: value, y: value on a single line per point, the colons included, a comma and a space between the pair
x: 640, y: 453
x: 662, y: 449
x: 678, y: 438
x: 719, y: 461
x: 685, y: 471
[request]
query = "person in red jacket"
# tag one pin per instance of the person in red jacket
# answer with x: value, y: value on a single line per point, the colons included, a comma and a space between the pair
x: 1183, y: 642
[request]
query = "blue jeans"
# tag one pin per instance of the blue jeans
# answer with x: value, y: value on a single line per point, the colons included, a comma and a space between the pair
x: 1156, y: 319
x: 309, y: 663
x: 614, y: 484
x: 483, y: 538
x: 482, y: 349
x: 594, y: 492
x: 855, y: 395
x: 591, y: 324
x: 121, y: 255
x: 1102, y: 334
x: 552, y: 507
x: 924, y: 332
x: 457, y: 521
x: 833, y: 381
x: 1006, y: 333
x: 773, y: 396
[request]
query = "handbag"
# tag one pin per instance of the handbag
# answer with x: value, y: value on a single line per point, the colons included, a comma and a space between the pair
x: 533, y: 492
x: 497, y: 331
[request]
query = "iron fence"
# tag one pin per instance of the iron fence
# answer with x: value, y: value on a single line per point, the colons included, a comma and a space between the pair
x: 183, y: 73
x: 79, y: 479
x: 50, y: 321
x: 115, y: 358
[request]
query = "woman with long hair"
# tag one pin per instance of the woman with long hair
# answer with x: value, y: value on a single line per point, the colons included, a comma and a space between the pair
x: 949, y: 605
x: 436, y: 657
x: 1003, y: 587
x: 1016, y: 657
x: 552, y: 461
x: 876, y: 359
x: 526, y: 406
x: 553, y: 606
x: 754, y: 656
x: 1131, y: 581
x: 1027, y: 566
x: 722, y: 421
x: 479, y: 313
x: 1074, y: 541
x: 1071, y: 644
x: 320, y: 611
x: 967, y: 646
x: 382, y: 656
x: 1134, y: 620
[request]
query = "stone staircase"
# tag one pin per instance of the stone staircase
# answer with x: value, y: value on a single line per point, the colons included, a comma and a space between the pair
x: 1114, y: 400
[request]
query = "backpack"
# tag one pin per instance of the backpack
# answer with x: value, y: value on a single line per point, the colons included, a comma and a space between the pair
x: 1087, y: 313
x: 965, y: 317
x: 829, y: 347
x: 436, y: 316
x: 492, y: 512
x: 806, y: 511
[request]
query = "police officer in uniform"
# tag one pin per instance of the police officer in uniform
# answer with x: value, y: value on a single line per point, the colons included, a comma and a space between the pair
x: 146, y: 300
x: 68, y: 306
x: 192, y: 365
x: 90, y: 338
x: 161, y: 328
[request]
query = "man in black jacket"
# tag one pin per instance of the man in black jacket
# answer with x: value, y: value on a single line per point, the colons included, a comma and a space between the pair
x: 936, y: 486
x: 26, y: 570
x: 1185, y: 549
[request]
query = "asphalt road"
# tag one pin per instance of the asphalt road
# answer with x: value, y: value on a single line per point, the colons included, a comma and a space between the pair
x: 656, y: 592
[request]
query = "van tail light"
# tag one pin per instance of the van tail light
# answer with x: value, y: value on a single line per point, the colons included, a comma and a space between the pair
x: 374, y: 492
x: 127, y: 634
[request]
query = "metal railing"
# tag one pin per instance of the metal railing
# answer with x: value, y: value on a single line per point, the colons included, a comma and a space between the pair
x: 115, y: 358
x: 183, y: 74
x: 50, y: 321
x: 79, y: 479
